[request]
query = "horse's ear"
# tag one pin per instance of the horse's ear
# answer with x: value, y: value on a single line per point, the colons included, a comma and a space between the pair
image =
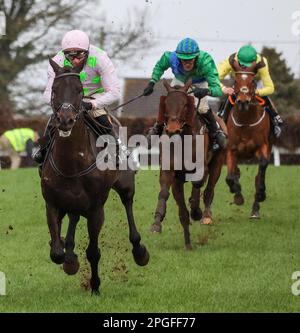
x: 54, y: 65
x: 252, y: 67
x: 162, y: 110
x: 236, y: 66
x: 79, y: 68
x: 190, y: 116
x: 166, y: 84
x: 187, y: 85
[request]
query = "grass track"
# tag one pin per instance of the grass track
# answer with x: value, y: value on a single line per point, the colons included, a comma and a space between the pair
x: 237, y: 265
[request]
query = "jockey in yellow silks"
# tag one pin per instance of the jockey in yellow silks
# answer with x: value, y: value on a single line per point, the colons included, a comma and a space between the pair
x: 246, y: 56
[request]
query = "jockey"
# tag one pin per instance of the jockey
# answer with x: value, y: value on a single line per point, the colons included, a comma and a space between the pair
x: 101, y: 86
x: 188, y: 62
x: 245, y: 57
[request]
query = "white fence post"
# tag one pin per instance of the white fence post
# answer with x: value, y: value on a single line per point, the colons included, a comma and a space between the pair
x: 276, y: 154
x: 2, y: 284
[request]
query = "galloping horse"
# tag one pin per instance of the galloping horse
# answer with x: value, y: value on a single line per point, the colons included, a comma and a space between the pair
x: 178, y: 112
x: 72, y: 184
x: 248, y: 135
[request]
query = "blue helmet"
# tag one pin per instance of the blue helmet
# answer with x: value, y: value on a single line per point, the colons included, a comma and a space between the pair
x: 187, y: 49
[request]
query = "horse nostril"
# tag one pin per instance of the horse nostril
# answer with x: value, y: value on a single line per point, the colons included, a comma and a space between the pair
x: 71, y: 121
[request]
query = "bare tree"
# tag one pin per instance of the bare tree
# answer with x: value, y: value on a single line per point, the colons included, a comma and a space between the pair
x: 27, y: 22
x: 131, y: 37
x: 26, y: 51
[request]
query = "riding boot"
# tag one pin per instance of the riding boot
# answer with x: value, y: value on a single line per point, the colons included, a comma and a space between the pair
x: 40, y: 147
x: 276, y: 120
x: 224, y: 110
x: 157, y: 129
x: 216, y: 133
x: 121, y: 150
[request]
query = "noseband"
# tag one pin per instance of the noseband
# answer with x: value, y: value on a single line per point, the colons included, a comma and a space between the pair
x: 66, y: 106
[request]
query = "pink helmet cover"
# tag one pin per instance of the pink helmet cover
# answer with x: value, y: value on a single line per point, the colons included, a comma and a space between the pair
x: 75, y: 39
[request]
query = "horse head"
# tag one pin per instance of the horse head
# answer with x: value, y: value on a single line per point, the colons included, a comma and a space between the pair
x: 177, y: 109
x: 244, y: 86
x: 66, y: 97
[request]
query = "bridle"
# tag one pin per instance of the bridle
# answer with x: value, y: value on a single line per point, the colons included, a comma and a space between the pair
x: 245, y: 90
x: 178, y: 120
x: 66, y: 106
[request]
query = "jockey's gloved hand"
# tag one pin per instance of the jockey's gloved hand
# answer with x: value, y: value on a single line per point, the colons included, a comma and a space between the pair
x: 87, y: 105
x: 201, y: 92
x: 149, y: 89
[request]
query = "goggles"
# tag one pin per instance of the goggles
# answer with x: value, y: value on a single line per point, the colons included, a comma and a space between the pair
x: 71, y: 55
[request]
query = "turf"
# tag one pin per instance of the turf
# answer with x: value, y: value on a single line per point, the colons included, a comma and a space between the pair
x: 237, y: 265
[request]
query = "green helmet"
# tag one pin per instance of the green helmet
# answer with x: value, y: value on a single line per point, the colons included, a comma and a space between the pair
x: 246, y: 55
x: 187, y: 49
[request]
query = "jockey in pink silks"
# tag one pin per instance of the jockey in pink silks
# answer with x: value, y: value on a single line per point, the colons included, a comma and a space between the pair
x: 101, y: 86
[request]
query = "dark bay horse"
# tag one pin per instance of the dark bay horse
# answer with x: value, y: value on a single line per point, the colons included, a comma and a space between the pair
x: 248, y: 135
x: 72, y: 184
x: 178, y: 112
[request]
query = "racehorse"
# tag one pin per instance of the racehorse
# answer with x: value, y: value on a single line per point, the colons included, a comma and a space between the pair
x: 73, y: 185
x: 248, y: 135
x: 177, y: 110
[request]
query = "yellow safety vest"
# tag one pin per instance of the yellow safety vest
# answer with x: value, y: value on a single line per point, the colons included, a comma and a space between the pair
x: 18, y: 138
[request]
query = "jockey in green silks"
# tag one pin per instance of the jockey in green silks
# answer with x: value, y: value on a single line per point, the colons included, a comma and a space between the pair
x: 186, y: 63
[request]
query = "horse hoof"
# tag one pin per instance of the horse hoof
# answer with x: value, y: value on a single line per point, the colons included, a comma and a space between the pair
x: 188, y: 247
x: 141, y: 255
x: 239, y: 199
x: 156, y: 228
x: 96, y: 292
x: 206, y: 220
x: 196, y: 214
x: 71, y: 267
x: 57, y: 258
x: 255, y: 216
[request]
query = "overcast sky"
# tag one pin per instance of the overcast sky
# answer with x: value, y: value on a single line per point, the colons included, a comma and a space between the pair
x: 219, y: 26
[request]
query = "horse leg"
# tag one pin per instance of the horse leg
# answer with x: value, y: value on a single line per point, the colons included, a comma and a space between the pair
x: 71, y: 264
x: 93, y: 254
x: 166, y: 179
x: 215, y: 168
x: 194, y: 200
x: 232, y: 178
x: 238, y: 197
x: 260, y: 193
x: 54, y: 220
x: 125, y: 189
x: 178, y: 194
